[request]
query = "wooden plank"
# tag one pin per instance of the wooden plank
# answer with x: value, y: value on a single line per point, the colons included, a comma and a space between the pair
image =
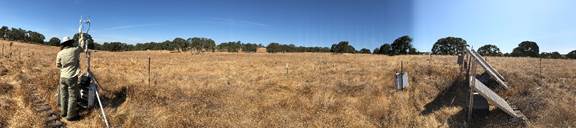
x: 487, y: 68
x: 492, y: 96
x: 482, y: 60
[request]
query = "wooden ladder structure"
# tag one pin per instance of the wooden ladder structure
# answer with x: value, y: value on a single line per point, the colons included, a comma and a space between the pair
x: 468, y: 62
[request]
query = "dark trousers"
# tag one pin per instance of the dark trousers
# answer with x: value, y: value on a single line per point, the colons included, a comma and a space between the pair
x: 69, y: 92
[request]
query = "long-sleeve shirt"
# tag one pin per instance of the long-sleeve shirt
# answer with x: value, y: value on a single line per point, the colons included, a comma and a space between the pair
x: 68, y: 60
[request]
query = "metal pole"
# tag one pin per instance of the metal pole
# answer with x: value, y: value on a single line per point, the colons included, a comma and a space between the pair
x: 99, y: 101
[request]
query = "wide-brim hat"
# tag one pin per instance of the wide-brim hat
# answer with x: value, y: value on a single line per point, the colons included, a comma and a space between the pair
x: 67, y: 43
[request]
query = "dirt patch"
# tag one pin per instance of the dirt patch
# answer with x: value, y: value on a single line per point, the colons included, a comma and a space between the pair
x: 3, y: 71
x: 5, y: 88
x: 6, y: 111
x: 6, y: 104
x: 349, y: 90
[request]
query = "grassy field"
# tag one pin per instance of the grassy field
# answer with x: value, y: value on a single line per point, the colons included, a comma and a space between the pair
x: 284, y: 90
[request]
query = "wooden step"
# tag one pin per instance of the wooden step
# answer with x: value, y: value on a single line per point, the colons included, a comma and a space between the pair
x: 42, y: 108
x: 51, y: 118
x: 55, y: 124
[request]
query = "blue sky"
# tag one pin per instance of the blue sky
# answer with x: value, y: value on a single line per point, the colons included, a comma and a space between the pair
x: 365, y: 23
x: 505, y: 23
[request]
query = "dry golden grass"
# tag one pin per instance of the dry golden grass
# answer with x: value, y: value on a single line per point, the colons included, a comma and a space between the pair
x: 287, y: 90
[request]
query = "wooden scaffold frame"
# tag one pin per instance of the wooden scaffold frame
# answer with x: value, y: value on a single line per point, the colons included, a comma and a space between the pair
x: 468, y: 61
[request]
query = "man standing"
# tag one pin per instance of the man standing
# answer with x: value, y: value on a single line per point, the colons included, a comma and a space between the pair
x: 68, y: 61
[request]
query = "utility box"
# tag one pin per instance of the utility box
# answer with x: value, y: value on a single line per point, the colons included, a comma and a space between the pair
x: 401, y: 80
x: 87, y: 92
x: 480, y: 107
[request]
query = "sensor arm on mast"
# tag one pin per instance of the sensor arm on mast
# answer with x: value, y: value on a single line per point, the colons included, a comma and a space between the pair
x: 84, y: 28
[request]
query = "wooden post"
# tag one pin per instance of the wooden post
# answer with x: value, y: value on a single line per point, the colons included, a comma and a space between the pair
x: 467, y: 58
x: 429, y: 64
x: 286, y: 69
x: 540, y: 72
x: 149, y: 72
x: 471, y: 82
x: 467, y: 65
x: 401, y: 66
x: 11, y: 49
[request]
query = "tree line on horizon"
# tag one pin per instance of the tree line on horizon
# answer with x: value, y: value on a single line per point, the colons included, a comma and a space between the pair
x: 400, y: 46
x: 21, y: 35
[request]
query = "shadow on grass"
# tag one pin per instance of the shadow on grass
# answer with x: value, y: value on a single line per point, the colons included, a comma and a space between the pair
x: 119, y: 97
x: 456, y: 95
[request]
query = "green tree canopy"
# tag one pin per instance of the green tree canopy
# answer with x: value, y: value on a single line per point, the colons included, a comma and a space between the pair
x: 16, y: 34
x: 342, y: 47
x: 20, y: 34
x: 250, y: 47
x: 200, y: 43
x: 449, y: 46
x: 364, y: 51
x: 236, y: 46
x: 385, y: 49
x: 116, y: 46
x: 489, y: 50
x: 54, y: 41
x: 274, y: 47
x: 571, y: 55
x: 553, y: 55
x: 526, y: 48
x: 35, y: 37
x: 230, y: 46
x: 178, y: 44
x: 4, y: 32
x: 88, y: 39
x: 402, y: 45
x: 277, y: 47
x: 376, y: 51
